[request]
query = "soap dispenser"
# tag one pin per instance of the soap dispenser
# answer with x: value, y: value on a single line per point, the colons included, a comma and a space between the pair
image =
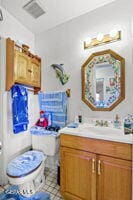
x: 117, y: 122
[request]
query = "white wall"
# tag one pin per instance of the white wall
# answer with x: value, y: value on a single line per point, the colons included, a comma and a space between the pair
x: 13, y: 144
x: 64, y: 44
x: 10, y: 27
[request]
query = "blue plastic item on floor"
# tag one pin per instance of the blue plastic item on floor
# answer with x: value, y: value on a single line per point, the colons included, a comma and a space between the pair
x: 25, y: 163
x: 12, y: 193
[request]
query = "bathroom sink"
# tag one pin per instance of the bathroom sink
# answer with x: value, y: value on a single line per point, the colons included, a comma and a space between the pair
x: 97, y: 132
x: 100, y: 130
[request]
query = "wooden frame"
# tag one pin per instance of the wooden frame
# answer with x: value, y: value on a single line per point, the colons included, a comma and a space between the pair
x: 122, y: 80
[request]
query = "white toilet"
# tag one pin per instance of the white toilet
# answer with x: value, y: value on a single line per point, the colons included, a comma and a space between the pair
x: 27, y: 170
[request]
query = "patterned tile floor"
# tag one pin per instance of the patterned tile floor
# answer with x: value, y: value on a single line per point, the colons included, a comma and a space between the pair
x: 50, y: 186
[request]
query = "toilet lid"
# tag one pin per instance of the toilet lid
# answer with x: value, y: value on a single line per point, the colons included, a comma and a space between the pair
x: 25, y: 163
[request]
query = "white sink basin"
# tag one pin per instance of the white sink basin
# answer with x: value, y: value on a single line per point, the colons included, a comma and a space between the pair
x: 100, y: 130
x: 96, y: 132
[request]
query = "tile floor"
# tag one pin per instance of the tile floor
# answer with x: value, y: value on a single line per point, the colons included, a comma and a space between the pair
x: 50, y: 186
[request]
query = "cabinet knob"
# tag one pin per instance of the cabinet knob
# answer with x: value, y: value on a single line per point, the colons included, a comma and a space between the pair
x: 93, y: 165
x: 99, y: 167
x: 29, y: 70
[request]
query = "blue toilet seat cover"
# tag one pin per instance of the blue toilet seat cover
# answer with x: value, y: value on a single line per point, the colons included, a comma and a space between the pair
x: 25, y: 163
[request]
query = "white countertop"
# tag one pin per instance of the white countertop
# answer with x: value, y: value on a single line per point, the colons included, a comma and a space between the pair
x: 104, y: 133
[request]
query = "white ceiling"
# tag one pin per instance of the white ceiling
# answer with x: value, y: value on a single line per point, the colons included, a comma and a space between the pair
x: 57, y: 12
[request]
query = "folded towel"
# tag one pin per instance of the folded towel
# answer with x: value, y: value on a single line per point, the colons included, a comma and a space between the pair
x: 19, y: 108
x: 52, y: 95
x: 72, y: 125
x: 53, y: 101
x: 59, y: 119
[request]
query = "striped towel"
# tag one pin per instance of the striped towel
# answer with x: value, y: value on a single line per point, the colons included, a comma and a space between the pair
x: 59, y: 119
x: 53, y: 101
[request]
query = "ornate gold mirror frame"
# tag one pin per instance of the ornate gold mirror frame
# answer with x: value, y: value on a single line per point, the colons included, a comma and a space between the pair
x: 103, y: 91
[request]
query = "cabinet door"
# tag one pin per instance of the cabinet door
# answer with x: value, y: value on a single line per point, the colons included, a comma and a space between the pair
x: 35, y: 73
x: 78, y: 175
x: 21, y: 68
x: 114, y: 179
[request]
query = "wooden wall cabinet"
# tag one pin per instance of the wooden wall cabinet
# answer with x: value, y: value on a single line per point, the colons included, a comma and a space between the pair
x: 88, y: 175
x: 22, y: 67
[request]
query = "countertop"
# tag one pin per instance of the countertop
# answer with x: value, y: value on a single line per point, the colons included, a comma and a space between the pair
x: 103, y: 133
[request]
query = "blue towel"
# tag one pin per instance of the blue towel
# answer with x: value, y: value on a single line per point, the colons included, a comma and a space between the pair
x: 48, y: 116
x: 59, y: 119
x: 55, y: 103
x: 19, y: 108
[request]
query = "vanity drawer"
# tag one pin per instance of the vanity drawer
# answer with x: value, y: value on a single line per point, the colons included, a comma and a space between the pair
x: 98, y: 146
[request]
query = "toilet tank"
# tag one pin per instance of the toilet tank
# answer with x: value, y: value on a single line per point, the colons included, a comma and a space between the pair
x: 49, y: 144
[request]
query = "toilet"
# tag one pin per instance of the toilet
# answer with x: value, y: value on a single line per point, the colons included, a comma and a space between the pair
x: 27, y: 172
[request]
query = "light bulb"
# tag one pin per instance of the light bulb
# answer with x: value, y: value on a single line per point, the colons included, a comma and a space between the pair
x: 113, y: 33
x: 100, y: 37
x: 88, y: 40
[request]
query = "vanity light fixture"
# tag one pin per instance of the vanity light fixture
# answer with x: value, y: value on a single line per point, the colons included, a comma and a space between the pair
x: 88, y: 40
x: 101, y: 39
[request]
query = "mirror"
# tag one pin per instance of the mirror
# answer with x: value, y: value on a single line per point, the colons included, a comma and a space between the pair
x: 103, y: 80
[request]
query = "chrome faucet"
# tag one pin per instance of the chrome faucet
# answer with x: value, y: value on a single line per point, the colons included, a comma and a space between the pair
x: 101, y: 123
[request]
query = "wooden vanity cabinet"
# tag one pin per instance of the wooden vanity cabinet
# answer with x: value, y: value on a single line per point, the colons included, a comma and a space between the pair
x: 89, y: 171
x: 77, y: 180
x: 114, y: 180
x: 21, y: 67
